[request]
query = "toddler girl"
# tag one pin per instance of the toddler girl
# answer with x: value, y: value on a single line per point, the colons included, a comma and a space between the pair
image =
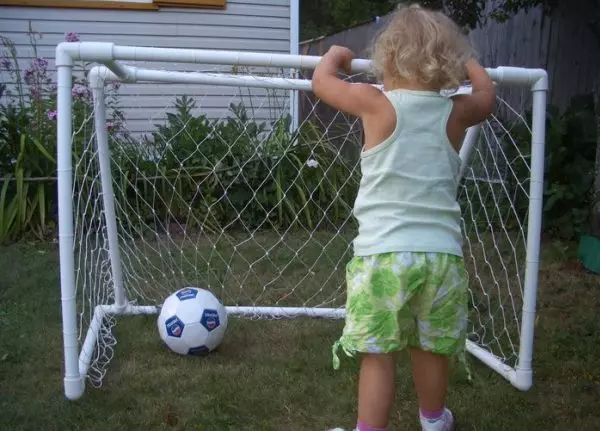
x: 407, y: 284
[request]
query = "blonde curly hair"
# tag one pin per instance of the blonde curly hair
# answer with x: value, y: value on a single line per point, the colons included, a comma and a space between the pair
x: 422, y: 46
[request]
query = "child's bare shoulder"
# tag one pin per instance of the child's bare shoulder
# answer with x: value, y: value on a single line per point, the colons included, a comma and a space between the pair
x: 381, y: 122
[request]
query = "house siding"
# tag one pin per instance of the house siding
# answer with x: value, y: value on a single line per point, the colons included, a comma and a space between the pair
x: 244, y: 25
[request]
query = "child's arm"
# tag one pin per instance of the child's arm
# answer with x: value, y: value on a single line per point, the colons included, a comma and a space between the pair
x: 474, y: 108
x: 358, y: 99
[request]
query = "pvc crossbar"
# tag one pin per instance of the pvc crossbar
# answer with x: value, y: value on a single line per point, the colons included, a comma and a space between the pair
x: 110, y: 54
x: 101, y: 312
x: 101, y: 74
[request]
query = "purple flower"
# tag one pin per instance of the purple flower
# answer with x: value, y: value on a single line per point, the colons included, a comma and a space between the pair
x: 5, y: 64
x: 39, y: 63
x: 110, y: 125
x: 79, y: 91
x: 72, y: 37
x: 51, y: 115
x: 35, y: 93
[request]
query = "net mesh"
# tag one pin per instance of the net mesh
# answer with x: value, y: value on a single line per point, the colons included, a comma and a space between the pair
x: 214, y: 188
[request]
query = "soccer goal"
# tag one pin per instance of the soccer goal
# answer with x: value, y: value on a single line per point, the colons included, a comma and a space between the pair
x: 222, y: 170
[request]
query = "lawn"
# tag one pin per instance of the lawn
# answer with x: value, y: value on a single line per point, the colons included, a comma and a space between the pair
x: 277, y: 375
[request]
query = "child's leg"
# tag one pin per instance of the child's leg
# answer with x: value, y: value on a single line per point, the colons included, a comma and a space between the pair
x: 441, y: 311
x: 376, y: 391
x: 430, y: 376
x: 378, y: 321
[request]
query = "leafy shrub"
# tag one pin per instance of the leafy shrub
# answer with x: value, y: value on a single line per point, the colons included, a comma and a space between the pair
x: 568, y: 174
x: 236, y: 173
x: 569, y: 167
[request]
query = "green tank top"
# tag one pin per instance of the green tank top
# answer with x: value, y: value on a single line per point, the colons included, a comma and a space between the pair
x: 407, y: 195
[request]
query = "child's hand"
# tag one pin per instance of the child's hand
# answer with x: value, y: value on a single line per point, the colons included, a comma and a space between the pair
x: 360, y: 100
x: 342, y: 57
x: 474, y: 108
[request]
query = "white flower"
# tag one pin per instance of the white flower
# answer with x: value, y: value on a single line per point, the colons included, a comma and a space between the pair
x: 312, y: 163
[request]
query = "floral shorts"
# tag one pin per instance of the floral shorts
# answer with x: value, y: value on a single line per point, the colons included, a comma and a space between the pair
x: 405, y: 299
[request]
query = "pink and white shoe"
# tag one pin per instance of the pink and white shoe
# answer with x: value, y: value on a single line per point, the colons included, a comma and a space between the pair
x: 445, y: 423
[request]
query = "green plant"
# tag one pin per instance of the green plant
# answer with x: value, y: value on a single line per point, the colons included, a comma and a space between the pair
x: 20, y: 209
x: 235, y: 172
x: 569, y: 167
x: 28, y: 138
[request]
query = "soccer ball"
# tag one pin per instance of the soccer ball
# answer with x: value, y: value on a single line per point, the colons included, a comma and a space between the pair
x: 192, y: 321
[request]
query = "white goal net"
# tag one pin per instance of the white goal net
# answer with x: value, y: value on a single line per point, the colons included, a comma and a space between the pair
x: 237, y: 180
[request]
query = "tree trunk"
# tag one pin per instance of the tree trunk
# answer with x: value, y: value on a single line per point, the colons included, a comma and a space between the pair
x: 596, y: 205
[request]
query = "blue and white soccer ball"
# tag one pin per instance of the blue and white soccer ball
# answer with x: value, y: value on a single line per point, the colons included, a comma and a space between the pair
x: 192, y: 321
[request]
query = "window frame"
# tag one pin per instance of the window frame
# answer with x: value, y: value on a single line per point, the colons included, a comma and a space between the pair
x: 117, y: 5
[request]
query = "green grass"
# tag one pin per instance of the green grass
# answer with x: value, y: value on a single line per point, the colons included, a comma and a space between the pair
x: 276, y: 375
x: 284, y: 269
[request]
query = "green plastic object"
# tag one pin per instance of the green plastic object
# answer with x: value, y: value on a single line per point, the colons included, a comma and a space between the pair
x: 589, y: 253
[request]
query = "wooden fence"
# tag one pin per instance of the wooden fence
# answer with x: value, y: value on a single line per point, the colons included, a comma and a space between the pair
x: 562, y: 43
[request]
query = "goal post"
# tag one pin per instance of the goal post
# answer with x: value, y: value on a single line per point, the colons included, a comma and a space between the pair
x: 250, y: 196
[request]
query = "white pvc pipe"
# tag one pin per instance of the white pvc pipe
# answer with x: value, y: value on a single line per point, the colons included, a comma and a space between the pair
x: 534, y: 229
x: 286, y: 312
x: 233, y: 310
x: 121, y: 71
x: 493, y: 362
x: 73, y: 381
x: 100, y: 75
x: 108, y: 195
x: 466, y: 149
x: 91, y: 338
x: 220, y: 79
x: 294, y: 50
x: 105, y: 51
x: 136, y: 310
x: 230, y: 58
x: 517, y: 75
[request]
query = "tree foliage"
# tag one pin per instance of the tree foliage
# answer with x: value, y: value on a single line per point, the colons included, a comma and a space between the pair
x: 322, y: 17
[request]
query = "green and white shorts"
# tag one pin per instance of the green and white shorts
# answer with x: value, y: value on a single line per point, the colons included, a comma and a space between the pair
x: 399, y: 300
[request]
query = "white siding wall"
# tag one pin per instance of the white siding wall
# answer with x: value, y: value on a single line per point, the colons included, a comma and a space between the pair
x: 245, y: 25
